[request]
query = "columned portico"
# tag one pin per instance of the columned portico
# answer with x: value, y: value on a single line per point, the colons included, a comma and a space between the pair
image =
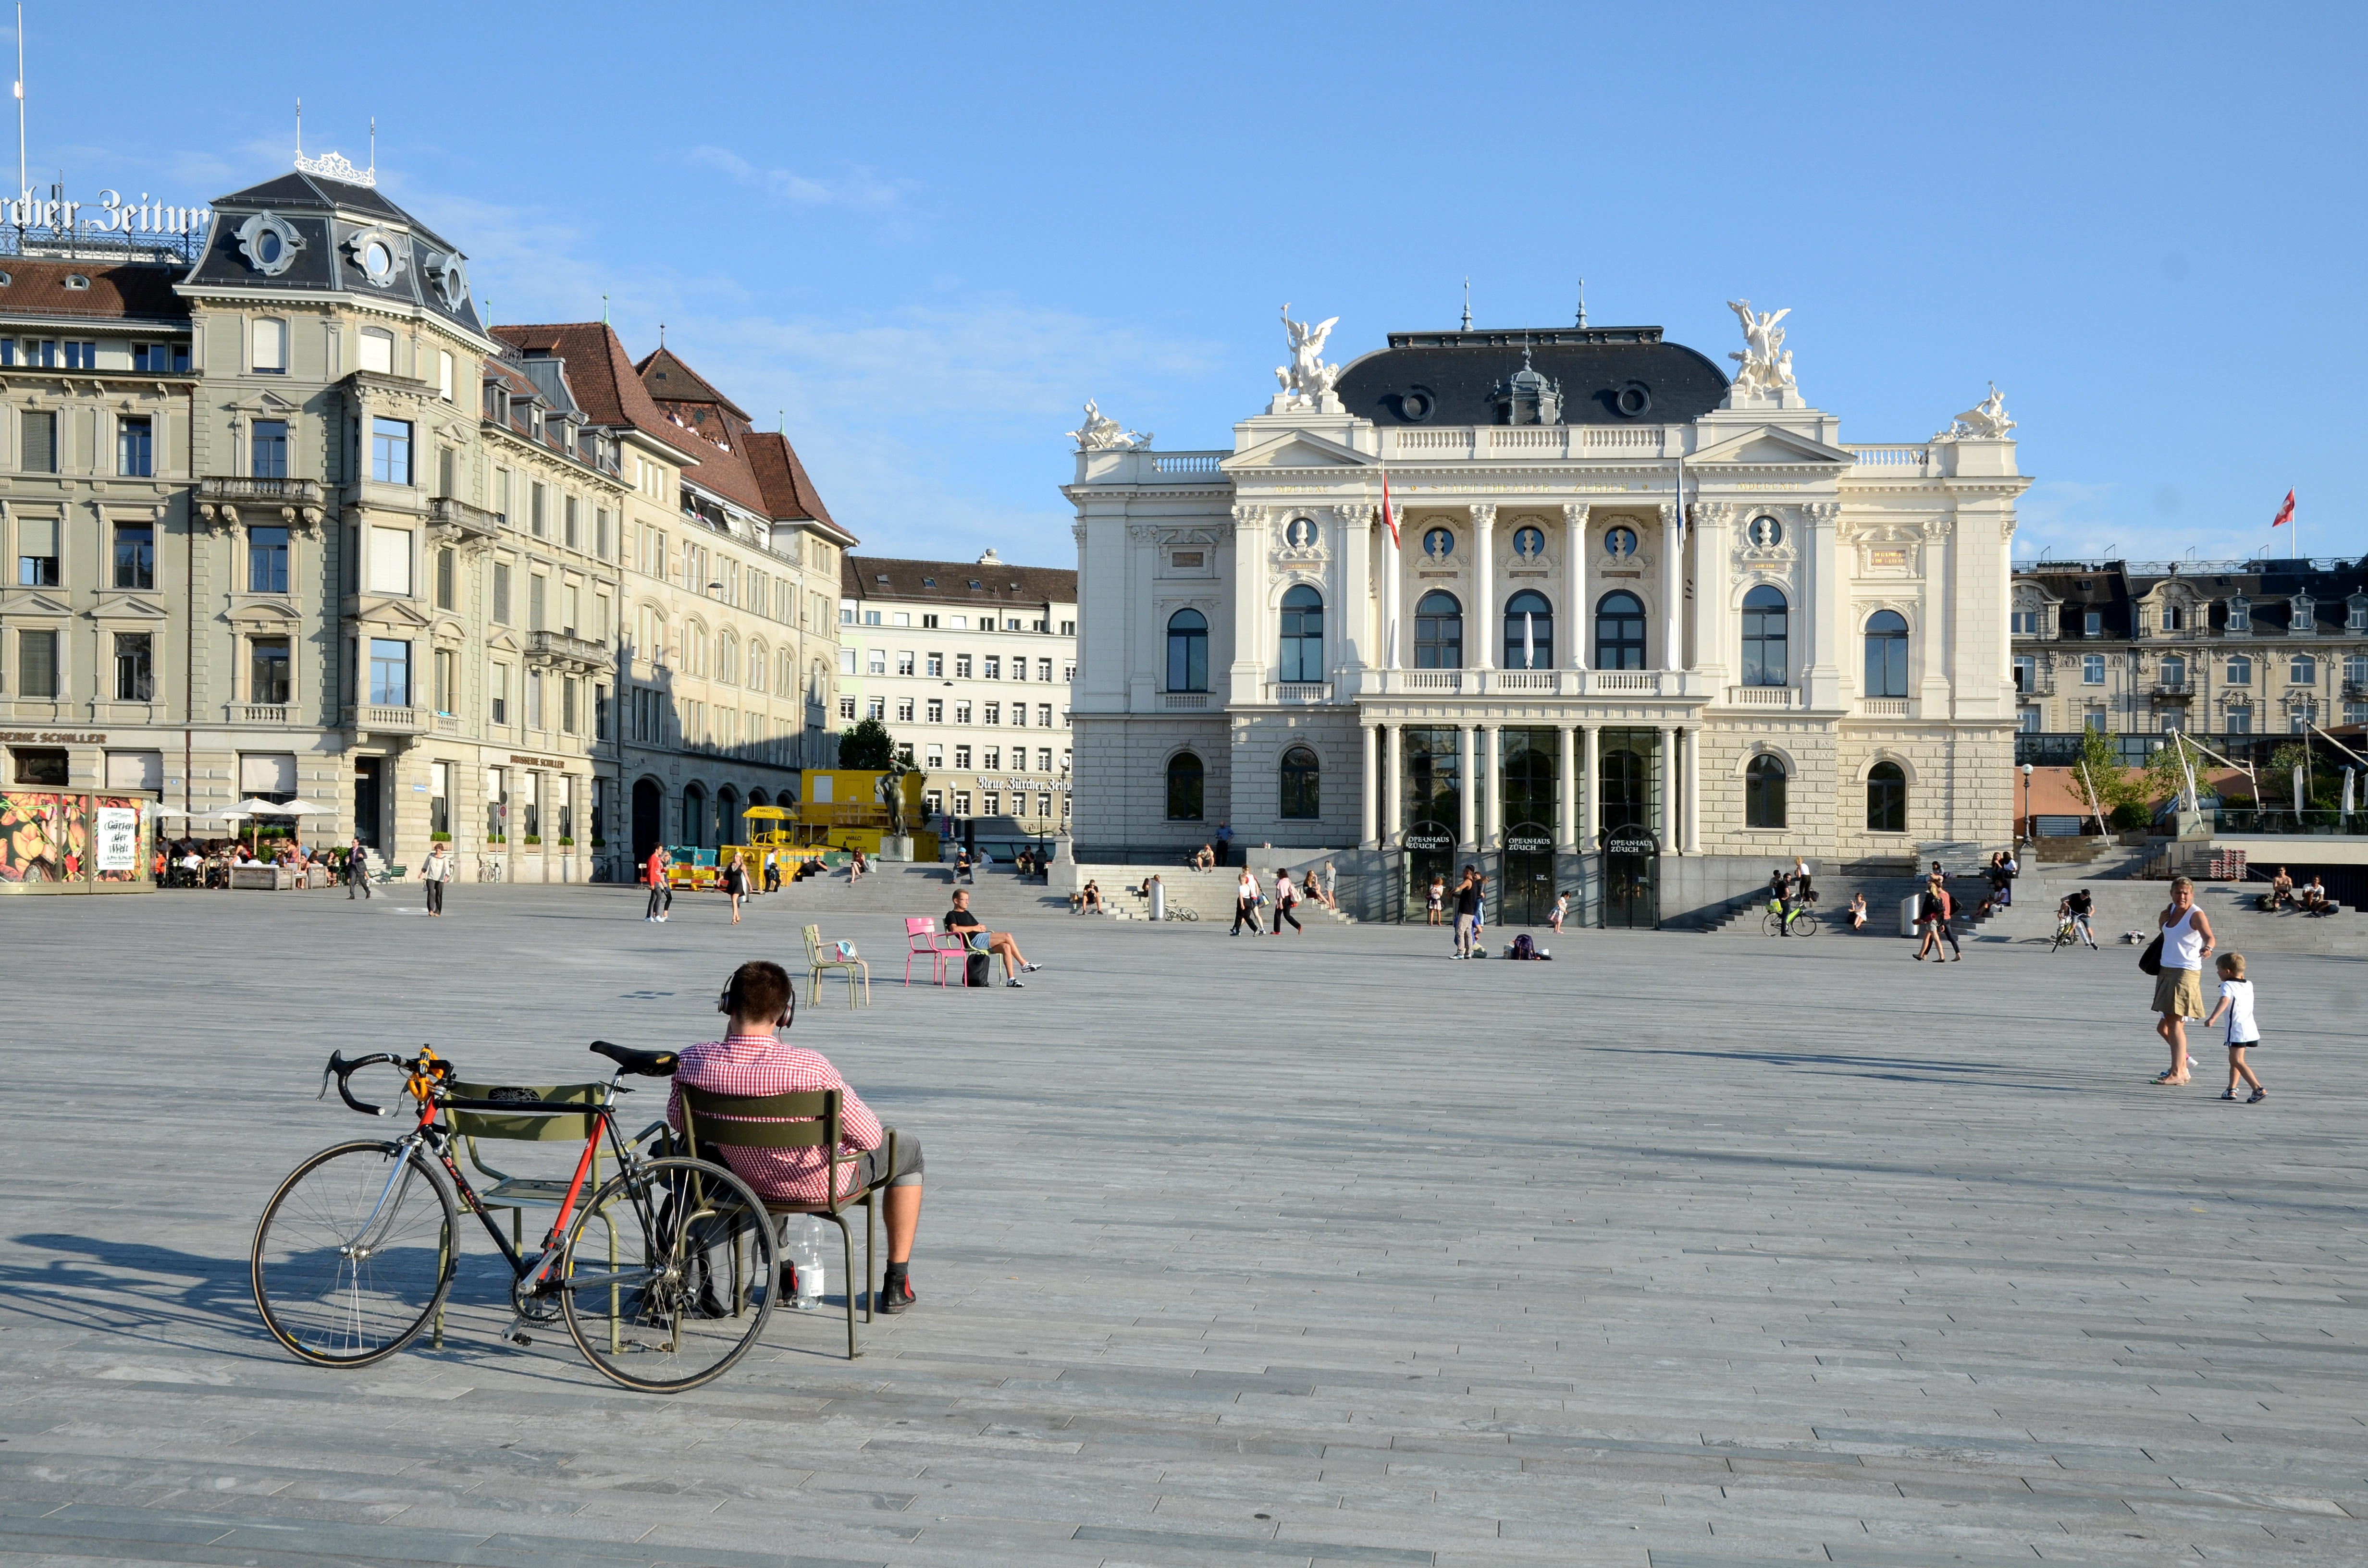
x: 1578, y: 616
x: 1667, y: 816
x: 1467, y: 832
x: 1369, y: 835
x: 1484, y: 588
x: 1492, y: 792
x: 1566, y: 790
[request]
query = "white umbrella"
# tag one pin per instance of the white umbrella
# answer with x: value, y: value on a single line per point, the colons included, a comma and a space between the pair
x: 2297, y: 783
x: 2348, y: 775
x: 301, y: 807
x: 1529, y: 641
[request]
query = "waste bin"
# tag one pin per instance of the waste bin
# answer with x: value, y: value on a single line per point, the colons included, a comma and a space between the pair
x: 1907, y: 909
x: 1158, y: 899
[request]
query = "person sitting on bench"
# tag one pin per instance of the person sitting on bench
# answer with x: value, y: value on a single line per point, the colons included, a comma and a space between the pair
x: 960, y: 919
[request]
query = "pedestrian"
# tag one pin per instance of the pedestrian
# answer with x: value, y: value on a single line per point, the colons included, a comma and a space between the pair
x: 772, y: 870
x: 1436, y: 897
x: 2237, y: 1001
x: 1467, y: 913
x: 2013, y: 868
x: 434, y: 874
x: 1801, y: 878
x: 1561, y: 908
x: 1948, y: 928
x: 661, y: 895
x: 1331, y: 887
x: 2187, y: 941
x: 1245, y: 901
x: 357, y: 871
x: 1224, y: 842
x: 1286, y: 897
x: 735, y: 884
x: 855, y: 869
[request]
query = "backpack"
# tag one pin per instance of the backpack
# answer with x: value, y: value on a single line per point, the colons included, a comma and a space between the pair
x: 1523, y: 948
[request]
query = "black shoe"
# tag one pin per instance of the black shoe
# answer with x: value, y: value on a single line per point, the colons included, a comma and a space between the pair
x: 2229, y: 1094
x: 895, y: 1297
x: 2259, y: 1095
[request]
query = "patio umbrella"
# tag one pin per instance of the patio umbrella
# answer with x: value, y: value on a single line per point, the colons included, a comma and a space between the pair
x: 2297, y: 784
x: 2347, y: 797
x: 1529, y: 641
x: 253, y: 807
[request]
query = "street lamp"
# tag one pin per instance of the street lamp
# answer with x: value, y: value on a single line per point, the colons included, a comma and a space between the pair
x: 2028, y: 834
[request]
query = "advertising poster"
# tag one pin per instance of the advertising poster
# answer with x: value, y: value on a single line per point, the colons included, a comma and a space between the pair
x: 42, y: 837
x: 117, y: 841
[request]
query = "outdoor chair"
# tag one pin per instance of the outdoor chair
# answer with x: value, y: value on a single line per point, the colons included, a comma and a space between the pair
x: 922, y: 939
x: 715, y: 1122
x: 817, y: 961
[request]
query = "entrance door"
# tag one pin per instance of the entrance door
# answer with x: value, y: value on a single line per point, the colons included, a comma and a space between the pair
x: 366, y: 801
x: 1430, y: 852
x: 647, y: 821
x: 1631, y: 883
x: 1527, y: 895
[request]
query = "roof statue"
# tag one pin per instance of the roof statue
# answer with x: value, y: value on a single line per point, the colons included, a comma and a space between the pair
x: 1101, y: 433
x: 1986, y: 421
x: 1766, y: 365
x: 1307, y: 378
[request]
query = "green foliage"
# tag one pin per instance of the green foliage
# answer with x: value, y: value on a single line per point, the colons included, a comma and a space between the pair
x: 2100, y: 763
x: 2128, y: 817
x: 868, y: 746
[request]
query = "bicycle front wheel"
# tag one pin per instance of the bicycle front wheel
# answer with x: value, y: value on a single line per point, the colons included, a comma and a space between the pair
x: 669, y: 1274
x: 353, y: 1253
x: 1805, y: 924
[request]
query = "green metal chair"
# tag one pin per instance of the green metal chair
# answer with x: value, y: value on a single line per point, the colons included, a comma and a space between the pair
x: 803, y: 1120
x: 818, y: 960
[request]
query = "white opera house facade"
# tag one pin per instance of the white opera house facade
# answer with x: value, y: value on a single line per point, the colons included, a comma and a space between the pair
x: 1647, y: 629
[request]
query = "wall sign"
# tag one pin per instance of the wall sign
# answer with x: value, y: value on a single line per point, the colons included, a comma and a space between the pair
x: 1632, y: 841
x: 1429, y: 838
x: 1886, y: 558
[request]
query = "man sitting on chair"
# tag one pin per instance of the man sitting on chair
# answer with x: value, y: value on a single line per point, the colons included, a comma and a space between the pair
x: 752, y: 1059
x: 959, y: 919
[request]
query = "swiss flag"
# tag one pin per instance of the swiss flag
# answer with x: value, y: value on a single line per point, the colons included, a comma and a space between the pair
x: 1391, y: 517
x: 2285, y: 513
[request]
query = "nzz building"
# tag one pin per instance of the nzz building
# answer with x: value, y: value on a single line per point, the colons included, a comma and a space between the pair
x: 1649, y: 630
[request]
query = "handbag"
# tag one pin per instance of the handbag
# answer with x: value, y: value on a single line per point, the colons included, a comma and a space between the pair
x: 2150, y: 961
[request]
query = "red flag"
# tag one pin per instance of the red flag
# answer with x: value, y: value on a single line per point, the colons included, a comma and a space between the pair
x: 1387, y: 516
x: 2285, y: 513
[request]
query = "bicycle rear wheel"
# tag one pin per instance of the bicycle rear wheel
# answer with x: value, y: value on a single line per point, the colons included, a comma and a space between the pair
x: 353, y: 1253
x: 669, y: 1274
x: 1773, y: 925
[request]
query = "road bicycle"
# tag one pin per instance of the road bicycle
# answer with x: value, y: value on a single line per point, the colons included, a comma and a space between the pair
x: 664, y: 1275
x: 1791, y: 920
x: 489, y: 869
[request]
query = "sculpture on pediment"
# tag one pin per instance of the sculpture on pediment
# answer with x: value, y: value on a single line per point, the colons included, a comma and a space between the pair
x: 1986, y: 421
x: 1766, y: 365
x: 1101, y: 433
x: 1307, y: 378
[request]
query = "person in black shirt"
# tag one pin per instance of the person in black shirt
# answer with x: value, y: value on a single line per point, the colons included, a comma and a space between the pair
x: 960, y: 919
x: 2078, y: 908
x: 1467, y: 913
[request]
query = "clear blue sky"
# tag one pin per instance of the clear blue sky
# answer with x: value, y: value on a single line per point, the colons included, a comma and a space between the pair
x: 928, y: 233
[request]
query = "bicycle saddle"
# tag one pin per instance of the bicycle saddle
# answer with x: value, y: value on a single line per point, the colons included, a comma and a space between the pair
x: 640, y: 1063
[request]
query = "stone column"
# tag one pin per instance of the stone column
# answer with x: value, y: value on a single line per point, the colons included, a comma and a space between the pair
x: 1388, y: 629
x: 1821, y: 683
x: 1484, y: 586
x: 1567, y: 794
x: 1350, y: 645
x: 1576, y: 614
x: 1665, y: 823
x: 1246, y: 678
x: 1394, y: 794
x: 1693, y: 790
x: 1466, y: 829
x: 1369, y: 785
x: 1591, y: 822
x: 1673, y: 600
x: 1492, y: 800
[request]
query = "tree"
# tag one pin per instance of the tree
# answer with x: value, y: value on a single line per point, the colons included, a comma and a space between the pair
x: 868, y: 746
x: 2115, y: 786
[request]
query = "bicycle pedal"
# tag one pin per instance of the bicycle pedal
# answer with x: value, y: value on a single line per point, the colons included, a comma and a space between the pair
x: 521, y: 1339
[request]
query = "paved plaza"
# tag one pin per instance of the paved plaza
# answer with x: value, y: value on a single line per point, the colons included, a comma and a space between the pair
x: 1677, y: 1250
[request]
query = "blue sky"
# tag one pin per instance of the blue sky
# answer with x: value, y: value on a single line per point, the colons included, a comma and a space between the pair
x: 927, y: 234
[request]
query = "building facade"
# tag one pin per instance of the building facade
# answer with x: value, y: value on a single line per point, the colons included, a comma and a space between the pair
x: 2228, y: 648
x: 969, y: 665
x: 1670, y: 628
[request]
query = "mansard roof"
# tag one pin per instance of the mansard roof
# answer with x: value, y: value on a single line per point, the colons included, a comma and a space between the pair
x: 1447, y: 378
x: 2269, y: 587
x: 119, y: 290
x: 988, y: 584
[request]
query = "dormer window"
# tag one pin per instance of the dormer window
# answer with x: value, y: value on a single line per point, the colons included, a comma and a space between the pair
x: 2304, y: 617
x: 2358, y: 620
x: 2241, y: 614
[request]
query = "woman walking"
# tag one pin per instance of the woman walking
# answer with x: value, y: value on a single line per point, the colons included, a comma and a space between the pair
x: 1245, y: 897
x: 435, y: 873
x: 1286, y: 896
x: 1561, y: 908
x: 735, y: 882
x: 2187, y: 941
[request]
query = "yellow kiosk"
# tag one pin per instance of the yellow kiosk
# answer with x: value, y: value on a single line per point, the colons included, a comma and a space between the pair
x: 842, y: 811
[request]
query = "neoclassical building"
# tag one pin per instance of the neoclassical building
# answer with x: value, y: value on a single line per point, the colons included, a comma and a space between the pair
x: 1640, y: 629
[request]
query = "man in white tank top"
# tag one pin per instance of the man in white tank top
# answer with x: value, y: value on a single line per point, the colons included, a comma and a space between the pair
x: 2187, y: 941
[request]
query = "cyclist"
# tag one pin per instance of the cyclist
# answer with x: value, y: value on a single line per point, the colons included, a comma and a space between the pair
x: 2075, y: 911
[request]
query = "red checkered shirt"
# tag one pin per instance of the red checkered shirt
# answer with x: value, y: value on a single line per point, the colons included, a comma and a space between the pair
x: 759, y: 1064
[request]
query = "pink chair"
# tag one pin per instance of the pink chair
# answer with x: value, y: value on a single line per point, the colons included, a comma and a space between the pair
x: 921, y: 941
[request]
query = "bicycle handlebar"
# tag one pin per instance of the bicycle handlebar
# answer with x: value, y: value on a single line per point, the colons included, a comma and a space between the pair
x: 340, y: 1069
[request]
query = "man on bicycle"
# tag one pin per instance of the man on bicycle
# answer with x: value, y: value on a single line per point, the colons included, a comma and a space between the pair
x: 2076, y: 908
x: 753, y: 1060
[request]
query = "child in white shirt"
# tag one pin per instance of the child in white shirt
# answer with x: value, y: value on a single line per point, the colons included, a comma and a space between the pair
x: 2237, y: 1001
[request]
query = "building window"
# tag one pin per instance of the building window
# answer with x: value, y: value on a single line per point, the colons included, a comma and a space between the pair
x: 37, y: 663
x: 1620, y: 632
x: 2092, y: 624
x: 499, y: 695
x: 37, y: 552
x: 2355, y: 675
x: 1301, y: 799
x: 961, y: 712
x: 2026, y: 673
x: 2240, y: 720
x: 962, y: 667
x: 1764, y: 637
x: 962, y: 757
x: 447, y: 681
x: 992, y: 758
x: 904, y: 710
x: 134, y: 451
x: 1529, y: 630
x: 37, y: 451
x: 1886, y: 797
x: 1763, y: 791
x: 2240, y: 615
x: 2025, y: 623
x: 445, y: 569
x: 266, y: 560
x: 2027, y: 720
x: 270, y: 337
x: 1886, y: 656
x: 2303, y: 618
x: 1302, y: 637
x: 994, y: 714
x: 905, y: 661
x: 937, y: 711
x: 2357, y: 618
x: 2093, y: 669
x: 156, y: 358
x: 2094, y: 719
x: 266, y: 670
x: 268, y: 449
x: 390, y: 673
x: 2240, y: 670
x: 993, y: 668
x: 2302, y: 670
x: 439, y: 798
x: 2173, y: 674
x: 599, y: 726
x: 135, y: 555
x: 1184, y: 777
x: 390, y: 451
x: 567, y: 685
x: 570, y: 525
x: 378, y: 350
x: 135, y: 675
x: 846, y: 707
x: 2304, y: 715
x: 444, y: 374
x: 1188, y: 659
x: 42, y: 766
x: 390, y: 561
x: 877, y: 708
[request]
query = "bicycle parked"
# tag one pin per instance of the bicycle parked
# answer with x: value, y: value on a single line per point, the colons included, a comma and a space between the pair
x: 489, y: 869
x: 664, y: 1275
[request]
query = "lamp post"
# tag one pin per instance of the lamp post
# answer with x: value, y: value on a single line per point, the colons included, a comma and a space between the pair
x: 2028, y: 834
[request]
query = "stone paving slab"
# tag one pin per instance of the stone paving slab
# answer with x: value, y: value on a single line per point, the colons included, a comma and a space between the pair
x: 1300, y: 1250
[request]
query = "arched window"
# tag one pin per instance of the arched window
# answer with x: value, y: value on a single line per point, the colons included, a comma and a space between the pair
x: 1763, y: 791
x: 694, y: 649
x: 2303, y: 671
x: 1188, y: 657
x: 1439, y: 632
x: 2240, y: 670
x: 817, y: 682
x: 1529, y: 631
x: 727, y: 816
x: 1183, y: 788
x: 1300, y: 800
x: 1886, y: 654
x: 1302, y: 634
x: 1618, y: 634
x: 694, y: 814
x: 1887, y: 799
x: 727, y: 658
x: 1763, y: 636
x: 756, y: 664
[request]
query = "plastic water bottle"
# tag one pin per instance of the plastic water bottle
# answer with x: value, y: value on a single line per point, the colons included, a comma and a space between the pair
x: 806, y: 1251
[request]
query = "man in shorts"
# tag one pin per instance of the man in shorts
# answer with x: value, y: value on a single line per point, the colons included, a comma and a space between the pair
x: 963, y: 923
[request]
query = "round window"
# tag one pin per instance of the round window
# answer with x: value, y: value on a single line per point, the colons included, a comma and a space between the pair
x: 1766, y: 533
x: 1620, y: 543
x: 1439, y: 544
x: 1415, y: 404
x: 1528, y: 543
x: 377, y: 260
x: 1632, y: 400
x: 267, y: 247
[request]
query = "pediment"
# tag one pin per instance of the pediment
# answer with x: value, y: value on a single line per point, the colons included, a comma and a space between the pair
x: 33, y: 602
x: 126, y: 607
x: 1771, y: 444
x: 501, y: 642
x: 449, y: 629
x: 392, y: 612
x: 266, y: 403
x: 1299, y: 450
x: 265, y: 611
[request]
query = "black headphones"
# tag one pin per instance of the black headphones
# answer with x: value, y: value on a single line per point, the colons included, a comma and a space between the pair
x: 788, y: 1016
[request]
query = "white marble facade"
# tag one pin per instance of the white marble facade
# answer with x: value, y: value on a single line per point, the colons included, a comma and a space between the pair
x: 1606, y: 483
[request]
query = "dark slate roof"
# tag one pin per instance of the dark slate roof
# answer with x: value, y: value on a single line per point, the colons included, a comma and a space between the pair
x: 1001, y: 585
x: 2113, y: 588
x: 117, y: 291
x: 1459, y: 369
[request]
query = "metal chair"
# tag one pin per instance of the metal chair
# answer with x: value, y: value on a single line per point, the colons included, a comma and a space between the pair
x: 921, y: 941
x: 808, y: 1120
x: 817, y: 962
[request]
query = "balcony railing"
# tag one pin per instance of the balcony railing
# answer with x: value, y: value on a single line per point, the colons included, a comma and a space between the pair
x: 1300, y: 691
x: 2176, y: 690
x: 237, y: 488
x: 1541, y: 683
x: 567, y: 650
x: 1884, y: 707
x: 259, y: 713
x: 1183, y: 699
x: 467, y: 521
x: 384, y: 719
x: 1763, y: 696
